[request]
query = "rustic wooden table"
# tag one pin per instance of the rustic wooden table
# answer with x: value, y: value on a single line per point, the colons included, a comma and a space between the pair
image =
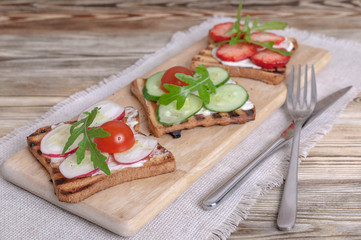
x: 52, y: 49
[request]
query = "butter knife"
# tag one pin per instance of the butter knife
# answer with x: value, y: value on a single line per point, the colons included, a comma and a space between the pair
x: 215, y: 197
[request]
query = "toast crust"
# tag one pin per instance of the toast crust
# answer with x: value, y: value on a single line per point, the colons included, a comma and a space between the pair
x: 199, y: 120
x: 77, y: 189
x: 271, y: 76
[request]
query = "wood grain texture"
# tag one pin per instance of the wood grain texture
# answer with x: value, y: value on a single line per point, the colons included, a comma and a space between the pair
x: 52, y: 49
x: 63, y: 47
x: 329, y: 189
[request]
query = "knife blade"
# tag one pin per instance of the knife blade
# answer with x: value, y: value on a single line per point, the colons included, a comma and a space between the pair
x: 214, y: 198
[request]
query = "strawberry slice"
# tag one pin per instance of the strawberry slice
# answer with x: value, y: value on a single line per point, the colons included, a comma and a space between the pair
x: 267, y: 37
x: 218, y: 32
x: 269, y: 59
x: 237, y: 52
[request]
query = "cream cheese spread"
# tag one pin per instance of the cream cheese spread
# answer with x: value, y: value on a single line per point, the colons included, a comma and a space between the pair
x: 131, y: 115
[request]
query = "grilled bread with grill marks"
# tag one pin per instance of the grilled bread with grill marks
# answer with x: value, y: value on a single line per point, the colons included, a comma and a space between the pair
x: 271, y: 76
x: 199, y: 120
x: 74, y: 190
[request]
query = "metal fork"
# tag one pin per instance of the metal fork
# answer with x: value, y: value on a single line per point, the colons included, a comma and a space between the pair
x: 300, y: 108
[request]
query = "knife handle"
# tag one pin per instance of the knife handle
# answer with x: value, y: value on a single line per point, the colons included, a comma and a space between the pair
x: 215, y: 197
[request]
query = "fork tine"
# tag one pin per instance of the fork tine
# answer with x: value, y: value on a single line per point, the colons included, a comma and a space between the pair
x: 313, y: 87
x: 290, y: 87
x: 298, y: 99
x: 304, y: 103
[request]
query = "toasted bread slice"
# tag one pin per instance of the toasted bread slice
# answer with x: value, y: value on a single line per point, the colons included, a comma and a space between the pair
x: 199, y: 120
x: 74, y: 190
x: 271, y: 76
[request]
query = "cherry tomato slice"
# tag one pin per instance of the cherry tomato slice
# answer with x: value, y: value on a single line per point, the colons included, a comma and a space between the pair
x: 121, y: 137
x: 169, y: 77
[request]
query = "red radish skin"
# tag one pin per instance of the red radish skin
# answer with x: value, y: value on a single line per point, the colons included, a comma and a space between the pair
x: 61, y: 155
x: 121, y: 116
x: 92, y: 172
x: 70, y: 169
x: 131, y: 163
x: 87, y: 174
x: 143, y: 147
x: 54, y: 141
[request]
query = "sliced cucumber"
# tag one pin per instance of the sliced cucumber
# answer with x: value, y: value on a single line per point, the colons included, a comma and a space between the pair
x: 218, y: 76
x: 152, y: 90
x: 228, y: 97
x: 169, y: 115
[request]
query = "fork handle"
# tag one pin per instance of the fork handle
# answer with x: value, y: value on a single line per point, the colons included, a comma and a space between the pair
x: 288, y: 208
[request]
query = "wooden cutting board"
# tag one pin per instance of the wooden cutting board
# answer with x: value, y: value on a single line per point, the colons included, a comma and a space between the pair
x: 126, y: 208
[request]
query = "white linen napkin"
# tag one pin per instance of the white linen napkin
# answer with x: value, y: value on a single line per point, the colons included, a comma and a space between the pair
x: 26, y: 216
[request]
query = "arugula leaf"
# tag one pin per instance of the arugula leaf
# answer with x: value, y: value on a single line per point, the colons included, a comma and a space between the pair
x: 273, y: 24
x: 235, y: 40
x: 236, y: 28
x: 269, y: 45
x: 255, y: 23
x: 82, y: 127
x: 246, y: 31
x: 199, y: 82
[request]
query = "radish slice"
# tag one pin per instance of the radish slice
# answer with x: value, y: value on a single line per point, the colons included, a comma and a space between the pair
x: 142, y: 148
x: 71, y: 169
x: 108, y: 111
x: 53, y: 142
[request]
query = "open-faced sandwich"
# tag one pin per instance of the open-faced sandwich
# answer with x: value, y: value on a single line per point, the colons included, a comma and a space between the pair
x: 177, y: 99
x: 247, y: 50
x: 101, y: 149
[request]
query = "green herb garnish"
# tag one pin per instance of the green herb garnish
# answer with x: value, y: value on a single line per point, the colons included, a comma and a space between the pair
x: 199, y: 82
x: 82, y: 127
x: 244, y: 35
